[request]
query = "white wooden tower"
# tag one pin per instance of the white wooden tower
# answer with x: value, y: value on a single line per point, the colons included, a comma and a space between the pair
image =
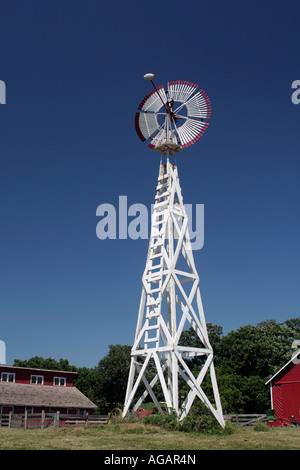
x: 170, y: 299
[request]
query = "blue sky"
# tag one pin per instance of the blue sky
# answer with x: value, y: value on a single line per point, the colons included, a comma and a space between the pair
x: 73, y: 72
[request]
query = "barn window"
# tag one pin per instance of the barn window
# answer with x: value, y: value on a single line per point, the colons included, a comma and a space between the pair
x: 37, y: 379
x: 60, y: 381
x: 6, y: 377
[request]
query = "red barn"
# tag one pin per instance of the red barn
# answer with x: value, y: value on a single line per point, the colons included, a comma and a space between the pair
x: 34, y: 390
x: 285, y: 390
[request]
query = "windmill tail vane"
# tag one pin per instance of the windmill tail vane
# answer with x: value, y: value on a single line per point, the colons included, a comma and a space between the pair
x: 170, y: 303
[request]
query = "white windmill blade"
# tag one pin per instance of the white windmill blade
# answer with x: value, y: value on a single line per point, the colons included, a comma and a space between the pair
x: 154, y: 100
x: 199, y: 105
x: 146, y: 123
x: 191, y: 131
x: 181, y: 90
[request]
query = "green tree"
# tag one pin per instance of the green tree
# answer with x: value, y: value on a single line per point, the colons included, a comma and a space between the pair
x: 38, y: 362
x: 256, y: 350
x: 112, y: 375
x: 86, y: 382
x: 294, y: 324
x: 256, y: 396
x: 190, y: 338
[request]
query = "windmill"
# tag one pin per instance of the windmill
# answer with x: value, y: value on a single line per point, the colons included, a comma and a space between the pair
x: 172, y: 120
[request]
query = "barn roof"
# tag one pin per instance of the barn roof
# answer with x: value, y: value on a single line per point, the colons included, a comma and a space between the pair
x: 15, y: 394
x: 37, y: 368
x: 296, y: 356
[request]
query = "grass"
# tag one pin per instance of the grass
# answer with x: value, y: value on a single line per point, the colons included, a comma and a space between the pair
x: 138, y: 436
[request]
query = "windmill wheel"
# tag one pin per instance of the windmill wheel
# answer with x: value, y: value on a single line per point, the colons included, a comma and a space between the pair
x: 174, y: 118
